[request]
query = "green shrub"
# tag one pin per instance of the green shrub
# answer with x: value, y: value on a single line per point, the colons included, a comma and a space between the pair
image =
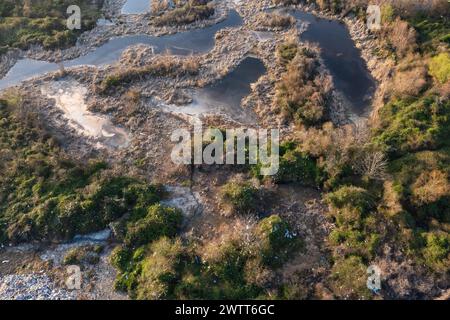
x: 440, y: 67
x: 286, y: 52
x: 387, y: 13
x: 359, y: 230
x: 363, y: 243
x: 351, y: 196
x: 296, y: 166
x: 224, y: 276
x: 43, y: 23
x: 413, y: 125
x: 409, y: 170
x: 159, y: 269
x: 277, y: 240
x: 242, y: 198
x: 129, y: 266
x: 160, y: 221
x: 120, y: 258
x: 44, y: 195
x: 436, y: 252
x: 349, y: 279
x: 83, y: 255
x: 433, y: 31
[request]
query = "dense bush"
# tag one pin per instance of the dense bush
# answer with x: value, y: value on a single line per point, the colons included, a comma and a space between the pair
x: 242, y: 198
x: 440, y: 67
x: 355, y: 197
x: 421, y: 180
x: 433, y: 31
x: 302, y: 93
x: 129, y: 265
x: 233, y: 268
x: 358, y: 227
x: 159, y: 221
x: 413, y: 125
x: 167, y: 269
x: 46, y: 196
x: 276, y: 240
x: 297, y: 166
x: 349, y: 279
x: 159, y: 269
x: 24, y: 23
x: 436, y: 252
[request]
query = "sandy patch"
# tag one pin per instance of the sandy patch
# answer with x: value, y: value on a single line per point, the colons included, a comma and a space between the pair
x: 69, y: 97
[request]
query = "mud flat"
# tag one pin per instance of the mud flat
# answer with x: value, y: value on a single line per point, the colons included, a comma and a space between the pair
x: 69, y: 97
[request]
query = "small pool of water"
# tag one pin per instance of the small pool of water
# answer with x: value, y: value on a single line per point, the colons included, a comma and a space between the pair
x: 69, y: 97
x: 181, y: 43
x: 136, y: 6
x: 225, y: 95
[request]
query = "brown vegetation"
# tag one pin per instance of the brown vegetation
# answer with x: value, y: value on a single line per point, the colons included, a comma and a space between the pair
x: 277, y: 21
x: 401, y: 37
x: 160, y: 66
x: 410, y: 78
x: 303, y: 93
x: 191, y: 11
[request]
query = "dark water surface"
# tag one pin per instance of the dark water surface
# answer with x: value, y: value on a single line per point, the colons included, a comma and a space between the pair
x: 341, y: 57
x: 182, y: 43
x: 226, y: 94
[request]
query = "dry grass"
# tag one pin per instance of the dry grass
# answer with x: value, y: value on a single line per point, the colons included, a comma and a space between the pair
x: 302, y: 93
x: 190, y: 12
x: 430, y: 187
x: 277, y: 21
x: 160, y: 66
x: 410, y: 82
x: 402, y: 37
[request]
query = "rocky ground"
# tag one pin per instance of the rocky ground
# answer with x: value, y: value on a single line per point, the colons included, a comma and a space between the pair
x: 31, y: 287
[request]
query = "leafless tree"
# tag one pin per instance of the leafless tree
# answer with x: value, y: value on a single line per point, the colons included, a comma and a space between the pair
x: 371, y: 164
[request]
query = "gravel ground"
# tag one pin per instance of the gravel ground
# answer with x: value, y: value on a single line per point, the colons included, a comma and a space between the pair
x: 31, y: 287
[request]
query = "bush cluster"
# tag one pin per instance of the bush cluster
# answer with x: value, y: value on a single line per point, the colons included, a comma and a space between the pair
x: 302, y: 93
x: 168, y: 268
x: 24, y: 23
x: 190, y: 12
x: 46, y: 196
